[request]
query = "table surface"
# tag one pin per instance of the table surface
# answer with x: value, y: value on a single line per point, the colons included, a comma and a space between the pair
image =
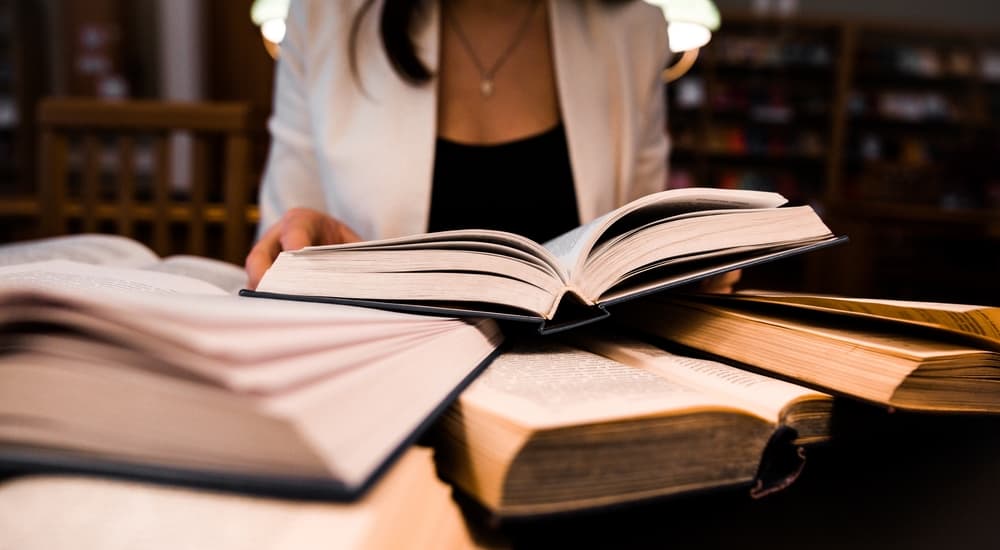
x: 886, y: 481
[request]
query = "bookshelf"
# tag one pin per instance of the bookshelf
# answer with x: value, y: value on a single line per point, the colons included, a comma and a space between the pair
x: 763, y: 91
x: 22, y: 51
x: 887, y: 130
x: 759, y: 111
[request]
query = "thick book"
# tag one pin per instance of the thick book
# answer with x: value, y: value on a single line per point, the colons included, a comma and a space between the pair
x: 142, y: 373
x: 557, y: 425
x: 908, y: 355
x: 658, y: 241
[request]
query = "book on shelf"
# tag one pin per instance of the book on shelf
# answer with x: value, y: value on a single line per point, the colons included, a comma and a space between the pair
x: 410, y: 507
x: 598, y: 419
x: 658, y: 241
x: 907, y: 355
x: 138, y: 372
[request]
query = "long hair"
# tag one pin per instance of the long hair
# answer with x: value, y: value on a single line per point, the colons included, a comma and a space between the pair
x: 395, y: 23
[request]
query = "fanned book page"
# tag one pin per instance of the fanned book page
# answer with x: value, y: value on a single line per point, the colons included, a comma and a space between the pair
x: 977, y: 322
x: 137, y: 372
x: 894, y: 356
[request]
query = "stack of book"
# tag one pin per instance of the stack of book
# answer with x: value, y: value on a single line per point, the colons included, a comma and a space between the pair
x: 548, y: 377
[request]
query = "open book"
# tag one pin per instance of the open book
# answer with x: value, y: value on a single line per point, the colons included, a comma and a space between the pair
x: 658, y: 241
x: 921, y: 356
x: 119, y: 251
x: 410, y: 507
x: 133, y: 372
x: 551, y: 427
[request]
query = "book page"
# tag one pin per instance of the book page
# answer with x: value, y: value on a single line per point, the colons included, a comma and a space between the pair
x: 472, y: 240
x: 119, y: 251
x: 51, y: 512
x: 972, y: 320
x: 573, y: 247
x: 244, y: 343
x: 767, y: 397
x: 572, y: 244
x: 229, y: 362
x: 547, y: 384
x: 91, y: 248
x: 688, y: 238
x: 81, y: 277
x: 229, y: 277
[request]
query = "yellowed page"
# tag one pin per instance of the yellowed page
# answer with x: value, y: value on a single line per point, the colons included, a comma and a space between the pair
x: 973, y: 320
x: 891, y: 344
x: 869, y: 365
x: 549, y: 385
x: 765, y: 396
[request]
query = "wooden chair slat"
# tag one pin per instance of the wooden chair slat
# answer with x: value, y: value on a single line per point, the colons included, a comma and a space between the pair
x: 90, y: 181
x: 161, y: 194
x: 129, y: 148
x: 126, y: 185
x: 197, y: 195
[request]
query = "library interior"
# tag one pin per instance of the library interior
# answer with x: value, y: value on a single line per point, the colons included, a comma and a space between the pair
x: 152, y: 120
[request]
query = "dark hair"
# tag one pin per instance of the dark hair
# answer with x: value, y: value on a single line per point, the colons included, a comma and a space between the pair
x: 395, y: 24
x: 394, y: 29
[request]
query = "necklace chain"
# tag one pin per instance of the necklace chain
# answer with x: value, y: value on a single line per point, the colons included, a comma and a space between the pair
x: 486, y: 84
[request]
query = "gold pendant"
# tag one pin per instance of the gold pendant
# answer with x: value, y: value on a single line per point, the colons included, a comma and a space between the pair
x: 486, y: 87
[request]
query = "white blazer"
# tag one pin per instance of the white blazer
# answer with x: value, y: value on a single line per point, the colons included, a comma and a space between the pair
x: 366, y: 155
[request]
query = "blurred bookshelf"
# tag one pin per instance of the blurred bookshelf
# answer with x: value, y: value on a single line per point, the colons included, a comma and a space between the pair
x: 22, y: 53
x: 889, y: 131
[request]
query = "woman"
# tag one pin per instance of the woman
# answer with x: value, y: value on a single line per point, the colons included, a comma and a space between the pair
x: 395, y: 117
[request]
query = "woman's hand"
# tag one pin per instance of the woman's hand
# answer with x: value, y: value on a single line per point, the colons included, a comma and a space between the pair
x: 299, y: 227
x: 722, y: 283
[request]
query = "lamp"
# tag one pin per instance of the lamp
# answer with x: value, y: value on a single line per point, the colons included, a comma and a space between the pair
x: 270, y: 16
x: 690, y: 24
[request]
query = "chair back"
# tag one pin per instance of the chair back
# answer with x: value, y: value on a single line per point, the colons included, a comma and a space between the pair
x: 176, y: 176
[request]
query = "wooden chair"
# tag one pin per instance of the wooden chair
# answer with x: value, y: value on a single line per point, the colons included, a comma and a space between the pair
x: 110, y: 166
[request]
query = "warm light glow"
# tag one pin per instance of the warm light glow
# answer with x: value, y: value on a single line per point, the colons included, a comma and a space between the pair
x: 689, y: 22
x: 273, y: 30
x: 270, y: 16
x: 262, y: 11
x: 684, y: 36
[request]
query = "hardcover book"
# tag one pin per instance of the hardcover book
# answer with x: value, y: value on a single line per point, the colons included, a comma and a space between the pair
x: 553, y: 426
x: 659, y: 241
x: 910, y: 355
x: 141, y: 373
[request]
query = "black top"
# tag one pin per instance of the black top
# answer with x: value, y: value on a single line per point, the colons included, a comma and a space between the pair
x: 523, y: 186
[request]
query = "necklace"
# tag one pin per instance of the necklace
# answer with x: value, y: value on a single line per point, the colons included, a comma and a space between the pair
x: 486, y: 85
